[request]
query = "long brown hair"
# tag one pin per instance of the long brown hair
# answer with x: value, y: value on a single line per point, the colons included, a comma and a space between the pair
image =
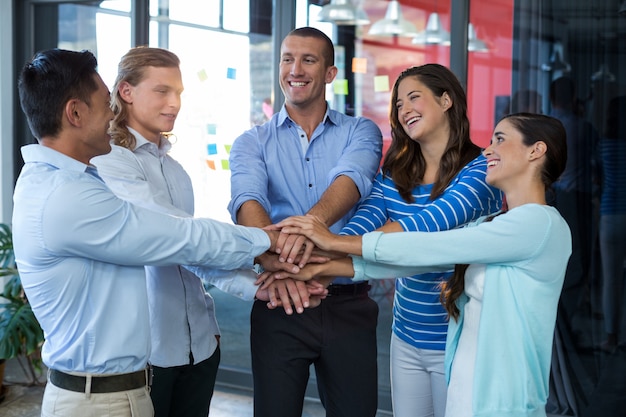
x: 131, y: 69
x: 404, y: 161
x: 533, y: 128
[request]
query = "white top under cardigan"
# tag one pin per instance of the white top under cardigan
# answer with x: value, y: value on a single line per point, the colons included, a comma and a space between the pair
x: 525, y: 251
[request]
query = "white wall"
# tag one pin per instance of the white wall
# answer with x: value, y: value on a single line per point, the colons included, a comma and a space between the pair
x: 7, y: 86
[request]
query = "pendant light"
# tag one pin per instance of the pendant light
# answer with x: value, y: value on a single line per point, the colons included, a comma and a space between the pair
x: 434, y: 34
x: 557, y: 63
x: 343, y: 12
x: 393, y: 24
x: 473, y: 43
x: 603, y: 75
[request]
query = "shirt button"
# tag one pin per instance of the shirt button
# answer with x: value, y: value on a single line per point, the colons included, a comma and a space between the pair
x: 308, y: 159
x: 310, y: 185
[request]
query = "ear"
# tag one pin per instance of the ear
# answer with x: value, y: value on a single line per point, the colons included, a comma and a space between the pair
x: 446, y: 101
x: 331, y: 73
x: 73, y: 112
x: 125, y: 91
x: 538, y: 149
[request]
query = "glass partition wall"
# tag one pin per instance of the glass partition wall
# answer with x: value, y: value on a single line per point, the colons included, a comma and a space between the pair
x: 518, y: 55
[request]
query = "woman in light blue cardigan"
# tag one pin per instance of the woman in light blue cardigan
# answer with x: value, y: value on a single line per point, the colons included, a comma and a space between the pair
x: 503, y: 306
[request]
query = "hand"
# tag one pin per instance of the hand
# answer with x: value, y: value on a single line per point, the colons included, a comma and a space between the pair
x: 274, y: 236
x: 286, y: 293
x: 309, y: 226
x: 294, y: 247
x: 307, y: 273
x: 270, y: 262
x: 340, y: 267
x: 317, y: 292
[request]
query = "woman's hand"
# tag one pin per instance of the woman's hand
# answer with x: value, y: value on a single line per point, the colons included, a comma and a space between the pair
x: 317, y: 231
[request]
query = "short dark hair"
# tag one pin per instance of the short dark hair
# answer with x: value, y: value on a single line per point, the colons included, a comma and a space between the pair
x: 48, y: 81
x: 310, y: 32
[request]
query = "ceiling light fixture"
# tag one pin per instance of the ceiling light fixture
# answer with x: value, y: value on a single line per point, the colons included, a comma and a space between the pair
x: 343, y: 12
x: 557, y: 63
x: 393, y: 24
x: 473, y: 43
x: 434, y: 33
x: 603, y: 75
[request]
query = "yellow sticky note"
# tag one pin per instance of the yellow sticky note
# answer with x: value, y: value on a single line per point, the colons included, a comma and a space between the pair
x: 225, y: 164
x: 340, y: 87
x: 381, y: 83
x: 227, y: 148
x: 359, y: 65
x: 202, y: 75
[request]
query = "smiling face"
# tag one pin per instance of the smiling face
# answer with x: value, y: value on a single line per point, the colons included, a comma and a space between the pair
x: 153, y: 103
x: 303, y: 71
x: 508, y: 158
x: 421, y: 114
x: 96, y: 140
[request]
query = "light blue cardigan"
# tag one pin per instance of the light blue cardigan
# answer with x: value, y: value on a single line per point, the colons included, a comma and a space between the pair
x: 526, y: 252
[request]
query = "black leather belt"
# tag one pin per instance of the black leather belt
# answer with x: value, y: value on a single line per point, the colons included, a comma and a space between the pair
x: 100, y: 384
x: 349, y: 289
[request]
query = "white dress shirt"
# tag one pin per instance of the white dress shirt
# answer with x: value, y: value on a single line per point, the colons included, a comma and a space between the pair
x: 182, y: 313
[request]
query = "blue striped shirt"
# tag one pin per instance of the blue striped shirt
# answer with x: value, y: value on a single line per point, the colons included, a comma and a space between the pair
x: 419, y: 317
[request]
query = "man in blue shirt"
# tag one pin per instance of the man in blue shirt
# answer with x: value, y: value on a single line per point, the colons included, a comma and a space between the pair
x: 309, y: 159
x: 81, y: 251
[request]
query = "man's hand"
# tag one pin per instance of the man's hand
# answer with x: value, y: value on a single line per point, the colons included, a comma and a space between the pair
x: 270, y: 262
x: 292, y: 248
x: 292, y: 294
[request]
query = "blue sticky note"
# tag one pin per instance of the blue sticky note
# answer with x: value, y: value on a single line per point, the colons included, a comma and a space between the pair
x: 212, y: 148
x: 231, y: 73
x: 211, y: 128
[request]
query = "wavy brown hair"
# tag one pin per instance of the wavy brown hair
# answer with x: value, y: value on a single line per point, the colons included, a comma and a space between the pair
x: 533, y: 128
x: 132, y: 69
x: 404, y: 161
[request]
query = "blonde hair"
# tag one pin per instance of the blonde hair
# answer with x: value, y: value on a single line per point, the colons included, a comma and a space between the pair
x: 131, y: 69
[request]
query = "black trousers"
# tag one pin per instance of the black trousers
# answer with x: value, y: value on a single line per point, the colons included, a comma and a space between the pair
x: 338, y: 338
x: 184, y: 391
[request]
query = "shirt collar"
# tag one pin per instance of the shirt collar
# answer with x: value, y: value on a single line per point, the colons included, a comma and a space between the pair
x: 44, y: 154
x: 141, y: 142
x: 283, y: 116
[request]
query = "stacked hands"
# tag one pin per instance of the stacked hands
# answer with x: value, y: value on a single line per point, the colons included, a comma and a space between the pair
x: 295, y: 266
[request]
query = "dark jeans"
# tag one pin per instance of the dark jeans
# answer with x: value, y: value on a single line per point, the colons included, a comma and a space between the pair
x: 185, y: 391
x: 338, y: 338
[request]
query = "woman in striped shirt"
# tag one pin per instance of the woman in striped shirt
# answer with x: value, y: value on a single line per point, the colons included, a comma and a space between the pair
x: 432, y: 179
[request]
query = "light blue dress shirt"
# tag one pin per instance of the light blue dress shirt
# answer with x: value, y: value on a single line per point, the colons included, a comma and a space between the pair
x: 276, y: 165
x: 182, y: 313
x: 81, y: 251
